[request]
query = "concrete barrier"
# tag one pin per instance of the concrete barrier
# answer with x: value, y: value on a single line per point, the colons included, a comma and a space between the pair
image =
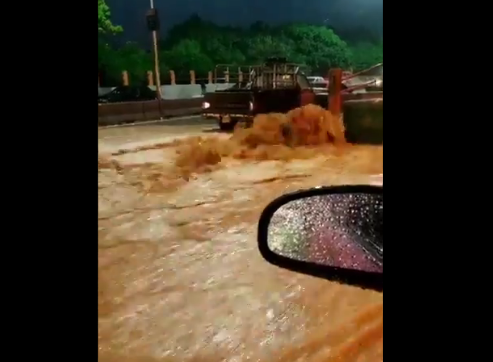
x: 211, y: 87
x: 178, y: 91
x: 363, y: 120
x: 187, y: 91
x: 120, y: 113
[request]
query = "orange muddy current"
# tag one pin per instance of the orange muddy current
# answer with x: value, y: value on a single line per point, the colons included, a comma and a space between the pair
x: 180, y: 277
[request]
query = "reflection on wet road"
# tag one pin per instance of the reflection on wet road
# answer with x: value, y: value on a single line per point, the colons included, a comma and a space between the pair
x: 180, y: 276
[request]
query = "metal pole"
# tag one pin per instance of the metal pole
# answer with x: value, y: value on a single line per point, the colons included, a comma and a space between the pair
x: 156, y: 59
x: 335, y: 87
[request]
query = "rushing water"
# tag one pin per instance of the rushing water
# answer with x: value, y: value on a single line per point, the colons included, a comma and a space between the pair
x: 180, y: 277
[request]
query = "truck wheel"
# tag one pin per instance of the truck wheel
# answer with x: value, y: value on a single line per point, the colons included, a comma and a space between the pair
x: 226, y: 127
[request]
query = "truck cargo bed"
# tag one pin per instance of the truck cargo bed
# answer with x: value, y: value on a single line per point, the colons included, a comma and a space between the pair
x: 228, y: 102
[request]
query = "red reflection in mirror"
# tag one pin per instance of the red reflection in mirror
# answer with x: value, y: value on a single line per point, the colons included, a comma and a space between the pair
x: 335, y: 248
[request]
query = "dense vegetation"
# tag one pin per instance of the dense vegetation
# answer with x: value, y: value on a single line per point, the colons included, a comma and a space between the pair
x: 199, y: 45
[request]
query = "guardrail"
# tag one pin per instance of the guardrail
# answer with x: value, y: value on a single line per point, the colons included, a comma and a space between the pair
x: 361, y: 96
x: 118, y: 113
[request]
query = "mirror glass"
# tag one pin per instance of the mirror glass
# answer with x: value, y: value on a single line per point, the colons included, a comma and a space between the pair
x: 339, y: 230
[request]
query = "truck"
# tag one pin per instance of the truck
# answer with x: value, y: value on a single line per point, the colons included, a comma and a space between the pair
x: 276, y: 86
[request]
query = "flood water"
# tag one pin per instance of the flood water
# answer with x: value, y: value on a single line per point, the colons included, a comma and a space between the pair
x: 179, y: 274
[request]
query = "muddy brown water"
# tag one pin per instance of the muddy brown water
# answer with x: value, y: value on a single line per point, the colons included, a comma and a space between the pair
x: 179, y: 274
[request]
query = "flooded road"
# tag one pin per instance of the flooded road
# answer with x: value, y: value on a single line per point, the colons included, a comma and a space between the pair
x: 179, y: 274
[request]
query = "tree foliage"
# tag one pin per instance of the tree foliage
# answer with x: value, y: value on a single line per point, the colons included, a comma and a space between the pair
x: 199, y: 45
x: 105, y: 26
x: 364, y: 55
x: 107, y: 57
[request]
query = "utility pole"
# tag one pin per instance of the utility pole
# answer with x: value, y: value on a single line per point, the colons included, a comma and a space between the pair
x: 153, y: 25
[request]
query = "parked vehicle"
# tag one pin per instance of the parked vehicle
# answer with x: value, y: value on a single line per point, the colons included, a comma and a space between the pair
x: 318, y: 82
x: 128, y: 93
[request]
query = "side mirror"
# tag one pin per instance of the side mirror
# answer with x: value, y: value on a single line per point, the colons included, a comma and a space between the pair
x: 334, y: 233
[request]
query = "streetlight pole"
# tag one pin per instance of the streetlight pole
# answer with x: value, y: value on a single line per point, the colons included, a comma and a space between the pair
x: 156, y: 56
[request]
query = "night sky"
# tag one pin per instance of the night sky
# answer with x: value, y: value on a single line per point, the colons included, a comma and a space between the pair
x: 338, y: 13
